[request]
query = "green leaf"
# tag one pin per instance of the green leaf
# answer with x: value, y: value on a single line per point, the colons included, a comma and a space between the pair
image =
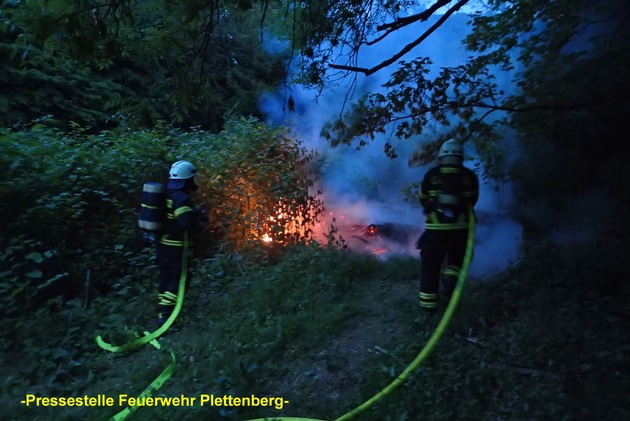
x: 16, y: 291
x: 53, y: 279
x: 34, y: 256
x: 59, y: 353
x: 35, y: 274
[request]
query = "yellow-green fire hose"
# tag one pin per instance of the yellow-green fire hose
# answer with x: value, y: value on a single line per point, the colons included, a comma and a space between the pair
x: 155, y: 384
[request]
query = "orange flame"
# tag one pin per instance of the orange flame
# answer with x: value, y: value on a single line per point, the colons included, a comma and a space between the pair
x: 377, y: 250
x: 282, y: 220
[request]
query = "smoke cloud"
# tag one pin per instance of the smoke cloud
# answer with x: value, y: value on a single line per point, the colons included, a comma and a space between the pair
x: 363, y: 186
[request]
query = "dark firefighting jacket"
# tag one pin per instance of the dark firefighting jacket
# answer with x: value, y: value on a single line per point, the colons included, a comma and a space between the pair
x: 445, y: 194
x: 180, y: 217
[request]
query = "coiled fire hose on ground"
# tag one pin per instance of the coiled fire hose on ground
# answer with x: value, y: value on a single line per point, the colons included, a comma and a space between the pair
x: 420, y: 358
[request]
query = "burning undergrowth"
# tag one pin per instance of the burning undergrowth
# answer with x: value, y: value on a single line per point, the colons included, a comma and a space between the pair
x: 365, y: 228
x: 255, y: 186
x: 272, y: 196
x: 382, y: 239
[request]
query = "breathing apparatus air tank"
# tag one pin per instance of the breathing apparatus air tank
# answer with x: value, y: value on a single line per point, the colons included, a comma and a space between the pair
x: 152, y: 210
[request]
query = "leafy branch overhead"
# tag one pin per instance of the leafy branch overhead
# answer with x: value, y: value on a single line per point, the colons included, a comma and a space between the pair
x: 540, y: 45
x: 398, y: 24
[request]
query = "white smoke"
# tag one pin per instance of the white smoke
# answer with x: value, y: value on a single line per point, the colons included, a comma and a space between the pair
x: 362, y: 187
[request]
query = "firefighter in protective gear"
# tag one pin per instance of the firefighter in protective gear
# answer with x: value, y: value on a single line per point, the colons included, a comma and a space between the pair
x: 447, y: 191
x: 181, y: 218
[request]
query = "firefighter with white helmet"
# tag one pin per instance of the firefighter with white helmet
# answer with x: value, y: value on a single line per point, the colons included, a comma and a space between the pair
x: 446, y: 193
x: 182, y: 220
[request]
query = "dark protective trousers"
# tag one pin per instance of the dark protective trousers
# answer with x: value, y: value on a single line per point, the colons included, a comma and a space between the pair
x: 442, y: 254
x: 169, y: 261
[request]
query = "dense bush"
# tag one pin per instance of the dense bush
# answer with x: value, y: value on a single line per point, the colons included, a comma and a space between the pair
x: 69, y: 199
x: 73, y: 197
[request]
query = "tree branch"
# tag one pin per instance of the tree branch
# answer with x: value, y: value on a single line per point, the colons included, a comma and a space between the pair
x: 93, y: 6
x: 262, y: 19
x: 405, y: 50
x: 408, y: 20
x: 493, y: 107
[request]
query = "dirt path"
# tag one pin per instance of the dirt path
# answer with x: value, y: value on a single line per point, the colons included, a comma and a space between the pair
x: 333, y: 375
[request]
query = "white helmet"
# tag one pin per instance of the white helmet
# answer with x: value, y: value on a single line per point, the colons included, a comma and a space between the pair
x: 182, y: 170
x: 451, y: 148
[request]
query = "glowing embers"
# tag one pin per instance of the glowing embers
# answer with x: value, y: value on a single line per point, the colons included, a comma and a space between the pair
x: 281, y: 227
x: 377, y: 251
x: 273, y: 225
x: 343, y: 228
x: 375, y: 243
x: 382, y: 240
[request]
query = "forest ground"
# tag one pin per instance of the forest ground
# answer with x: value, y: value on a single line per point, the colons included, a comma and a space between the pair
x: 326, y: 330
